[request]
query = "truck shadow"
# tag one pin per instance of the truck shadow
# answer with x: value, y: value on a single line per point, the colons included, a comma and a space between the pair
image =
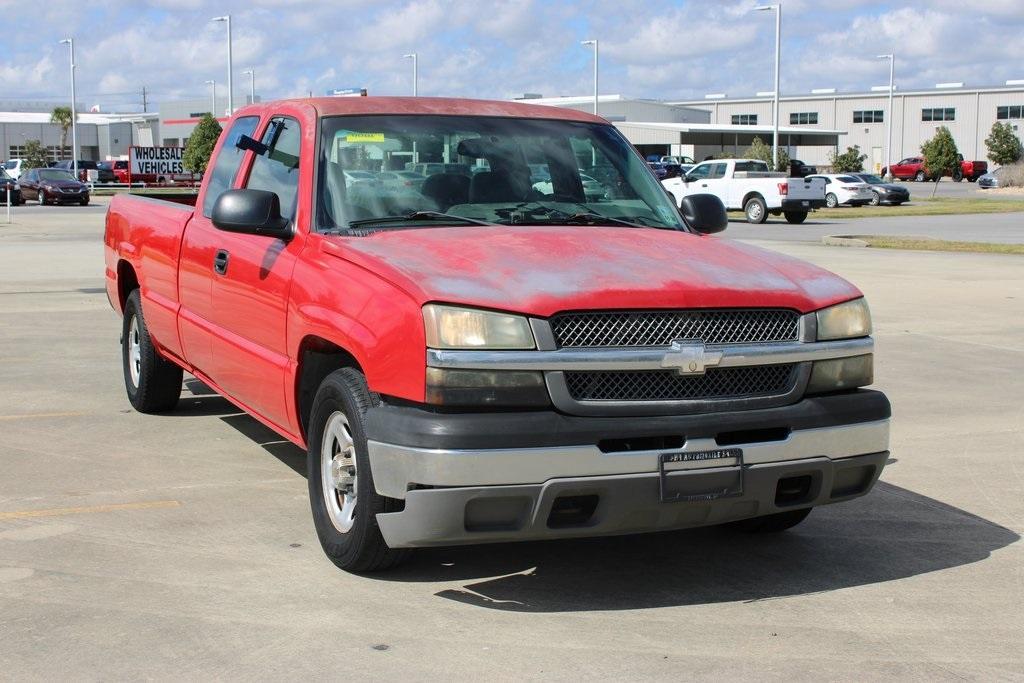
x: 890, y: 534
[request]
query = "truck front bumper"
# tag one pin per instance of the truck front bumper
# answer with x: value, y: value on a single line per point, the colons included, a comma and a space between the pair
x: 487, y: 477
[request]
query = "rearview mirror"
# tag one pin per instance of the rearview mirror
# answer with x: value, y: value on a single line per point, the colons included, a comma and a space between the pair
x: 254, y: 212
x: 705, y: 213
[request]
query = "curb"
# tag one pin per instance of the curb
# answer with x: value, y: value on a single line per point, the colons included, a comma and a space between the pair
x: 842, y: 241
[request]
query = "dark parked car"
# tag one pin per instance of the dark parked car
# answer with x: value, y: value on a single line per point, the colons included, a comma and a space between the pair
x: 884, y: 193
x: 7, y: 183
x: 53, y: 185
x: 659, y: 169
x: 105, y: 173
x: 798, y: 169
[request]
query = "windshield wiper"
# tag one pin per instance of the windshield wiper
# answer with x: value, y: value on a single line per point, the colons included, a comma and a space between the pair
x: 437, y: 216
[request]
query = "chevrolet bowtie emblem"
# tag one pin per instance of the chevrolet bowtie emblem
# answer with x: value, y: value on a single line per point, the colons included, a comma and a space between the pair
x: 690, y: 357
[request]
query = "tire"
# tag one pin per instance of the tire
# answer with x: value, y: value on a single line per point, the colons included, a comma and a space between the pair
x: 795, y: 217
x: 831, y: 201
x: 153, y: 384
x: 84, y: 202
x: 346, y: 523
x: 972, y: 179
x: 771, y: 524
x: 958, y: 177
x: 875, y: 199
x: 756, y: 210
x: 920, y: 177
x: 41, y: 197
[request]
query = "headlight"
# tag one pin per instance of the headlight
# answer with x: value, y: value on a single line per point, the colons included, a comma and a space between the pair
x: 451, y: 327
x: 841, y: 373
x: 844, y: 321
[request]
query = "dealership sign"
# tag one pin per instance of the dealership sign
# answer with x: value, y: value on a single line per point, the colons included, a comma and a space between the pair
x: 161, y: 161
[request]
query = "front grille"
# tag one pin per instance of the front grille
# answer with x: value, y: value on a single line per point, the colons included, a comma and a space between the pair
x: 661, y: 328
x: 669, y: 385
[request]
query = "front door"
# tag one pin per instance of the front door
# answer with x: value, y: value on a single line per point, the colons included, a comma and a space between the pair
x: 250, y: 288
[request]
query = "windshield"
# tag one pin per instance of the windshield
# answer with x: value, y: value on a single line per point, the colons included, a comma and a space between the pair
x: 3, y: 174
x: 491, y: 169
x: 54, y: 174
x: 11, y: 165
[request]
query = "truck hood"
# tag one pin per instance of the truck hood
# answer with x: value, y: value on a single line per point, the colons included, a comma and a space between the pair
x: 543, y: 270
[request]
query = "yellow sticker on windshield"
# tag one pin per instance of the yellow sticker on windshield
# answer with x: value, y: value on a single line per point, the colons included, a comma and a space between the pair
x: 364, y: 137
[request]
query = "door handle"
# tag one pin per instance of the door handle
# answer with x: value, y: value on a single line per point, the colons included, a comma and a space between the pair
x: 220, y: 262
x: 704, y: 184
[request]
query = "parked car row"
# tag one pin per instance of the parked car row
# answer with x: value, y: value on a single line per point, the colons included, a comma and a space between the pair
x: 914, y: 168
x: 43, y: 185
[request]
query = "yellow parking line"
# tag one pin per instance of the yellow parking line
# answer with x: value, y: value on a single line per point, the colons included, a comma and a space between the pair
x: 55, y: 512
x: 31, y: 415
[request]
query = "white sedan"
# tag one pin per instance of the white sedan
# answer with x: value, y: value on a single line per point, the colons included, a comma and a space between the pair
x: 841, y: 188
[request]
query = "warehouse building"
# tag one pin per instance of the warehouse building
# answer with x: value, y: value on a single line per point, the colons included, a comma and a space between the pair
x: 968, y: 113
x: 100, y: 136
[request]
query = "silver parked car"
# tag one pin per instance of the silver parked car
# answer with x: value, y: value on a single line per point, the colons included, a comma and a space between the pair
x: 989, y: 180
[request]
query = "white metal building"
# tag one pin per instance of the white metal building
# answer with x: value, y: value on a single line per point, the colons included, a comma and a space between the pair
x: 968, y: 113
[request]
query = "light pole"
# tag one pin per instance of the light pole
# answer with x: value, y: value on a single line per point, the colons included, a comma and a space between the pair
x: 231, y: 108
x: 594, y: 43
x: 213, y: 97
x: 778, y: 54
x: 252, y: 84
x: 415, y: 72
x: 888, y: 120
x: 70, y: 42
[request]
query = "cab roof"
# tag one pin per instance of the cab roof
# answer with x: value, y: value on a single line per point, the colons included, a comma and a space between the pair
x: 337, y: 106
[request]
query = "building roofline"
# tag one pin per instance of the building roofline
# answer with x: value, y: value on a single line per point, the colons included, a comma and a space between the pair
x: 884, y: 93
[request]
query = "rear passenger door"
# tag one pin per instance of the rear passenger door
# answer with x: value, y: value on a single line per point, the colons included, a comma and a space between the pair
x: 250, y: 296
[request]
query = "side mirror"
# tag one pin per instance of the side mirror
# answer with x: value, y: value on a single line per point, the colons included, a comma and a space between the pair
x: 688, y: 178
x: 705, y: 213
x: 254, y: 212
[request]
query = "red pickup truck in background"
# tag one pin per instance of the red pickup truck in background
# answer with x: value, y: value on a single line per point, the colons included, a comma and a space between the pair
x: 476, y: 360
x: 913, y: 168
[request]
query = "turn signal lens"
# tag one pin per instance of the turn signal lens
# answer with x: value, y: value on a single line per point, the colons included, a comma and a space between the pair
x: 841, y: 373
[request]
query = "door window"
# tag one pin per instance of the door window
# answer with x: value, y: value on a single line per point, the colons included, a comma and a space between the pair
x: 701, y: 172
x: 228, y: 161
x: 717, y: 171
x: 277, y: 168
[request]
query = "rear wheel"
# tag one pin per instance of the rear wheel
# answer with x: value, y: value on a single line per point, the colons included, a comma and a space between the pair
x: 831, y: 201
x: 342, y: 496
x: 756, y: 210
x: 153, y: 384
x: 795, y: 216
x: 770, y: 524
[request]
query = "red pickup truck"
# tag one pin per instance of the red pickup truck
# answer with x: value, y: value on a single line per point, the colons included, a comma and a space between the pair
x: 481, y: 361
x: 913, y: 168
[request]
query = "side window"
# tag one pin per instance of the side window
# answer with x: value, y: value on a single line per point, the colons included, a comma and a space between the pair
x: 277, y: 169
x: 701, y: 172
x: 717, y: 171
x: 220, y: 177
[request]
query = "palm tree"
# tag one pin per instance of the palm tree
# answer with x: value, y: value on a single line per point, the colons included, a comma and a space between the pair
x: 61, y: 116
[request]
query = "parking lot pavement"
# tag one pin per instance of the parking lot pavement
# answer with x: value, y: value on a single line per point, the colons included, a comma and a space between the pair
x: 993, y: 227
x: 180, y: 546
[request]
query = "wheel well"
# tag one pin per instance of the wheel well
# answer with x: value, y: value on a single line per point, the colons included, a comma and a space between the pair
x: 317, y: 359
x: 749, y: 196
x: 127, y: 282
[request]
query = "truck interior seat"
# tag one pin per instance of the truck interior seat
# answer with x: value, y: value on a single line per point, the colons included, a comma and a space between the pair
x: 446, y: 189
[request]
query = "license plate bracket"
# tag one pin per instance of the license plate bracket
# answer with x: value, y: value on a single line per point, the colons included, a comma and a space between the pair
x: 668, y: 495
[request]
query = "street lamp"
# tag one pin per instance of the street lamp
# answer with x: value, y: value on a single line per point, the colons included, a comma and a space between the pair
x: 213, y: 97
x: 594, y: 43
x: 70, y: 42
x: 415, y: 72
x: 227, y: 19
x: 888, y: 120
x: 778, y: 52
x: 252, y: 84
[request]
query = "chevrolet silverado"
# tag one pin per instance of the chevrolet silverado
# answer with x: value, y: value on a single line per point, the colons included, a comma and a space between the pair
x: 478, y: 360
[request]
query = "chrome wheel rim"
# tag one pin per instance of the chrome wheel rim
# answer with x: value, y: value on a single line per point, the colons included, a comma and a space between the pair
x: 338, y: 472
x: 754, y: 211
x: 831, y: 201
x: 134, y: 351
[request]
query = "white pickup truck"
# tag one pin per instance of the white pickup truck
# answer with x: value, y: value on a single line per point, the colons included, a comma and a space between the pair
x: 747, y: 184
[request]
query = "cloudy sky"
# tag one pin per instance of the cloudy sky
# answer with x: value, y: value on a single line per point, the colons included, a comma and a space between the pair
x: 500, y: 48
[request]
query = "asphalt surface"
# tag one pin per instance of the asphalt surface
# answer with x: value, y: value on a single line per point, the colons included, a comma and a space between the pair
x: 180, y: 546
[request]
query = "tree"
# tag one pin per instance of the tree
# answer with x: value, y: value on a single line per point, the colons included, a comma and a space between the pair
x: 940, y: 155
x: 850, y: 161
x: 1003, y: 145
x: 200, y: 144
x: 34, y: 155
x: 762, y: 152
x: 61, y: 116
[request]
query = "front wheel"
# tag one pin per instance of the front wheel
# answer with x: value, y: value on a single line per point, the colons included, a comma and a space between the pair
x: 770, y: 524
x: 153, y: 384
x: 920, y: 177
x: 875, y: 199
x: 342, y: 496
x: 756, y: 210
x: 795, y: 217
x: 831, y: 201
x: 41, y: 197
x: 958, y: 177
